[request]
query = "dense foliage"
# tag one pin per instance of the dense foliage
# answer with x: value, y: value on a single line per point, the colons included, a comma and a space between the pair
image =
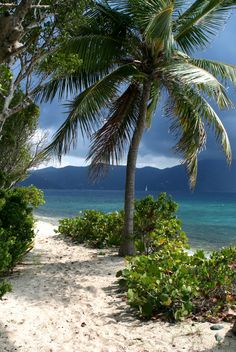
x: 94, y: 228
x: 19, y: 146
x: 173, y: 284
x: 16, y: 227
x: 155, y: 224
x: 5, y: 260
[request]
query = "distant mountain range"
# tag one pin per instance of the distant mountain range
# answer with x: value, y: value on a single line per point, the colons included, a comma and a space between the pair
x: 213, y: 176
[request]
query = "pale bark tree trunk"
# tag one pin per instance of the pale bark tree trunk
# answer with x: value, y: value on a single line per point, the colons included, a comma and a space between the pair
x: 12, y: 31
x: 127, y: 241
x: 7, y: 102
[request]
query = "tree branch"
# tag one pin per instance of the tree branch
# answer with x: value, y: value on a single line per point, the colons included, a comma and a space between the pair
x: 10, y: 5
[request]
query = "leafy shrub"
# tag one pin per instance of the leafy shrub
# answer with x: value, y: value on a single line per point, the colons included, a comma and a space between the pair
x: 176, y: 285
x: 156, y: 223
x: 4, y: 287
x: 16, y: 220
x: 5, y: 260
x: 16, y: 227
x: 5, y: 256
x: 94, y: 228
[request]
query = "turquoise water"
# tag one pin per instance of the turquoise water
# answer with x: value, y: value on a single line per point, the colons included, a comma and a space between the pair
x: 208, y: 219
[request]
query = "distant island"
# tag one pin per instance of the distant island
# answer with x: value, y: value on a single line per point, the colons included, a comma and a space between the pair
x: 213, y: 176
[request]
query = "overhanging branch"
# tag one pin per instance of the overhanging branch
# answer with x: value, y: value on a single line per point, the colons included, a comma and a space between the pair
x: 10, y: 5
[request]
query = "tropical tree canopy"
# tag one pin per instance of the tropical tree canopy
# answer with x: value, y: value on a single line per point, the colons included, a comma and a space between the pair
x: 25, y: 24
x: 30, y: 30
x: 125, y: 43
x: 20, y: 148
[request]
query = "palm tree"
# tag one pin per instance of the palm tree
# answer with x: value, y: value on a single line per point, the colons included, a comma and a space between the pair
x: 134, y: 52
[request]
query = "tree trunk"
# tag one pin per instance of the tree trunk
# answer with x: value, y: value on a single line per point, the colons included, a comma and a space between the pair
x: 127, y: 241
x: 12, y: 31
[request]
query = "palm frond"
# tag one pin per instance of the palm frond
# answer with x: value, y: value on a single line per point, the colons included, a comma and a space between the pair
x: 99, y: 45
x: 200, y: 23
x: 153, y: 101
x: 159, y: 28
x: 104, y: 19
x: 122, y: 6
x: 224, y: 72
x: 96, y: 51
x: 67, y: 85
x: 107, y: 38
x: 85, y: 111
x: 193, y: 10
x: 109, y: 143
x: 190, y: 75
x: 191, y: 113
x: 189, y: 129
x: 111, y: 13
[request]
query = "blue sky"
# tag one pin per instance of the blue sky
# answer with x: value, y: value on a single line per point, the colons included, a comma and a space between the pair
x: 156, y: 146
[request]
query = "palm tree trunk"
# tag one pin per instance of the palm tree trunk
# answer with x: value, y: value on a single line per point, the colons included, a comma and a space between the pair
x: 127, y: 241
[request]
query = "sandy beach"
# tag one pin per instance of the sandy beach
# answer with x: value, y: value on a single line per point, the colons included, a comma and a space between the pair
x: 65, y: 298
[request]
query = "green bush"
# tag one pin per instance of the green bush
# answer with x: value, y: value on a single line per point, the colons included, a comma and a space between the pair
x: 5, y: 256
x: 94, y: 228
x: 5, y: 260
x: 174, y: 284
x: 16, y: 220
x: 156, y: 223
x: 16, y: 227
x: 5, y: 287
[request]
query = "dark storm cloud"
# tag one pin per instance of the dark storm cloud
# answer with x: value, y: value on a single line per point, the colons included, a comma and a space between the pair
x: 158, y: 141
x: 52, y: 115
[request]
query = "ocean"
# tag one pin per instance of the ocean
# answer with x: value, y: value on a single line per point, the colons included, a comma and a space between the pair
x: 209, y: 220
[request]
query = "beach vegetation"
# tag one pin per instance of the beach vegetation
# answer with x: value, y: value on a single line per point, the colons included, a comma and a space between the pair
x: 172, y: 284
x: 16, y: 220
x: 155, y: 224
x: 135, y: 52
x: 16, y: 227
x: 20, y: 144
x: 5, y: 260
x: 94, y: 228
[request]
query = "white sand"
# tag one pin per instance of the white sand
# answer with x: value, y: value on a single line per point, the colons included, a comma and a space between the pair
x: 65, y: 299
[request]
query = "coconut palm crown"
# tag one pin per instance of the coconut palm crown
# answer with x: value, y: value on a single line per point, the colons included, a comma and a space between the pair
x: 133, y: 52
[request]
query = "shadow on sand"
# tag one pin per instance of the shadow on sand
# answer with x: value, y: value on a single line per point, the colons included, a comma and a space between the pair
x: 55, y: 278
x: 5, y: 344
x: 228, y: 344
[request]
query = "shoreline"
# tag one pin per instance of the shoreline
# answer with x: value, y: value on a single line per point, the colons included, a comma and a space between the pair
x: 46, y: 219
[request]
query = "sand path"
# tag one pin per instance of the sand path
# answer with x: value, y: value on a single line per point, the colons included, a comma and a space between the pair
x: 65, y: 299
